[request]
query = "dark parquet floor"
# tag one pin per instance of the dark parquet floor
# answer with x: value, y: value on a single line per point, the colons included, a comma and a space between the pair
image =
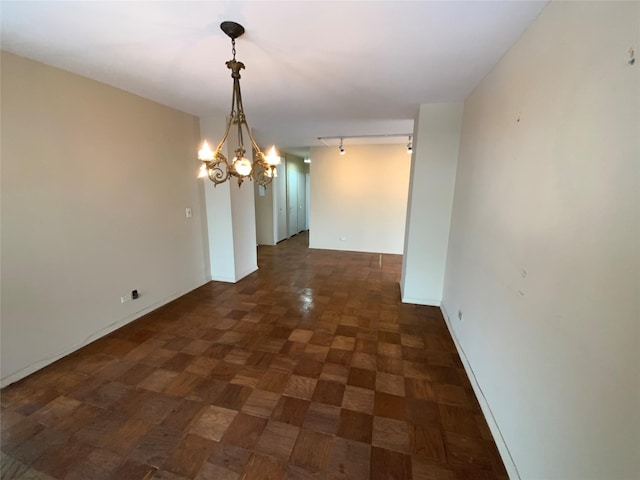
x: 309, y: 368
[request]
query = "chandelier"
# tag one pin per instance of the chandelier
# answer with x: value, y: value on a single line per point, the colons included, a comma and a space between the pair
x: 214, y: 164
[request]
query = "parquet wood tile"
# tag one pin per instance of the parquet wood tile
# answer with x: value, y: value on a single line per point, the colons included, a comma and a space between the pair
x: 155, y: 447
x: 244, y: 431
x: 264, y: 467
x: 355, y: 426
x: 290, y: 410
x: 274, y: 381
x: 213, y: 422
x: 427, y: 443
x: 361, y: 377
x: 309, y: 368
x: 278, y: 439
x: 261, y: 403
x: 99, y: 465
x: 386, y: 464
x: 187, y: 457
x: 311, y: 451
x: 300, y: 387
x: 349, y: 458
x: 358, y: 399
x: 391, y: 434
x: 322, y: 418
x: 328, y: 392
x: 389, y: 406
x: 210, y: 471
x: 229, y: 456
x: 391, y: 384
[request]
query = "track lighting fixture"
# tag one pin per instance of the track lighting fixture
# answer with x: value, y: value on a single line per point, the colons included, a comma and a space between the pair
x: 391, y: 135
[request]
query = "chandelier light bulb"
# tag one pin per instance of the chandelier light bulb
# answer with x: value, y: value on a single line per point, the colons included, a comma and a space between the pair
x: 272, y: 157
x: 205, y: 153
x: 242, y: 166
x: 203, y: 171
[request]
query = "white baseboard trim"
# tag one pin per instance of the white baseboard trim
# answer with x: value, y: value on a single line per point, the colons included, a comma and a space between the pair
x: 246, y: 273
x: 236, y: 278
x: 431, y: 302
x: 225, y: 279
x: 503, y: 449
x: 40, y: 364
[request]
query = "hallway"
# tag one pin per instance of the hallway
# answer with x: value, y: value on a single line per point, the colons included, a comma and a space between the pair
x: 309, y: 368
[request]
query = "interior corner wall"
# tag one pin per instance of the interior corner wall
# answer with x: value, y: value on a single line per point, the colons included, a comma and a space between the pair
x: 95, y: 183
x: 296, y: 193
x: 359, y: 200
x: 544, y: 257
x: 244, y: 229
x: 433, y: 170
x: 219, y: 222
x: 230, y: 214
x: 264, y: 213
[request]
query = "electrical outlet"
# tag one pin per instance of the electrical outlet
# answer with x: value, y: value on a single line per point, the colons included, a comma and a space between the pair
x: 343, y: 238
x: 134, y: 294
x: 460, y: 315
x: 125, y: 298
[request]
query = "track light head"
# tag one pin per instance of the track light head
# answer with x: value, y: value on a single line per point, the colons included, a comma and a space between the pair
x: 341, y: 147
x: 410, y: 145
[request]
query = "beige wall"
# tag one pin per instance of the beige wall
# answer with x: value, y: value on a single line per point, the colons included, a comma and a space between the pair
x: 544, y: 252
x: 360, y: 196
x: 95, y: 182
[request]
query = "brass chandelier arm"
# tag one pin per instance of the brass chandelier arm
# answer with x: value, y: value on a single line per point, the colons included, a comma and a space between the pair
x: 219, y: 170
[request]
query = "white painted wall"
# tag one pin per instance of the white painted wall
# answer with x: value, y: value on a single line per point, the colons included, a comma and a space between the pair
x: 361, y: 196
x: 545, y: 243
x: 433, y: 171
x: 265, y: 215
x: 230, y: 213
x: 296, y: 197
x: 218, y: 209
x: 95, y: 182
x: 244, y: 229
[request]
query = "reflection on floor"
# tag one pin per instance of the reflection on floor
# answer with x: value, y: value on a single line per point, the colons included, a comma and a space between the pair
x: 309, y: 368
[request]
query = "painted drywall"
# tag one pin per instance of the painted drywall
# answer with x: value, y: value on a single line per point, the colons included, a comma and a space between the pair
x: 218, y: 209
x: 433, y: 172
x: 269, y: 203
x: 360, y: 196
x: 265, y: 221
x: 543, y: 258
x: 230, y: 214
x: 296, y: 190
x: 244, y: 229
x: 95, y: 183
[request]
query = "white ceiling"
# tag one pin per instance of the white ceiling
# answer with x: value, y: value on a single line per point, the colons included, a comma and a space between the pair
x: 314, y: 68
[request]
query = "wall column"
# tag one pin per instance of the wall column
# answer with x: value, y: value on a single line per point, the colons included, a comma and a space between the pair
x: 230, y: 213
x: 436, y: 141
